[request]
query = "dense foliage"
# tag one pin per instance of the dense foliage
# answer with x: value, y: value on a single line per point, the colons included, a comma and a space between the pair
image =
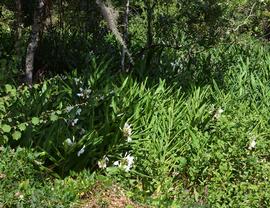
x: 172, y: 106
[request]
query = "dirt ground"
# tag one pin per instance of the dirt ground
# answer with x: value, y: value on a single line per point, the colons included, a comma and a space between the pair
x: 101, y: 196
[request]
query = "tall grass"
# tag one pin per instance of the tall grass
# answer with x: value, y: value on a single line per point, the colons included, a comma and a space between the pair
x: 204, y: 146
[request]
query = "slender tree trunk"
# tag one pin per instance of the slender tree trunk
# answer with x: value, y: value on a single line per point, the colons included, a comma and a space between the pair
x: 110, y: 15
x: 33, y: 43
x: 125, y: 35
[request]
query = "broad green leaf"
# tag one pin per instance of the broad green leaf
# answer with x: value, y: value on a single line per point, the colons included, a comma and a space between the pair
x: 8, y: 88
x: 4, y: 140
x: 35, y: 120
x: 22, y: 126
x: 16, y: 135
x: 113, y: 105
x: 2, y: 106
x: 53, y: 117
x: 58, y: 112
x: 183, y: 161
x: 124, y: 83
x: 35, y: 86
x: 6, y: 128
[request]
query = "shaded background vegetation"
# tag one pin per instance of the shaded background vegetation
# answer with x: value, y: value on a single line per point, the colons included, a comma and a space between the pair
x: 164, y: 37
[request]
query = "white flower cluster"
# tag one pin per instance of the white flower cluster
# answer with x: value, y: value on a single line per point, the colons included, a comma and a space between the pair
x: 127, y: 131
x: 77, y: 81
x: 81, y: 151
x: 74, y: 121
x: 103, y: 162
x: 82, y: 132
x: 84, y: 93
x: 63, y: 77
x: 252, y: 144
x: 78, y: 111
x: 216, y: 112
x: 70, y: 142
x: 69, y: 108
x: 126, y: 163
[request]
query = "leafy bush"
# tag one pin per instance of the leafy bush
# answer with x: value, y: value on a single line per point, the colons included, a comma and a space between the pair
x: 25, y: 182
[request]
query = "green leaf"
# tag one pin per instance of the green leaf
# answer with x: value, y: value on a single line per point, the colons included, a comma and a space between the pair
x: 196, y: 195
x: 2, y: 106
x: 16, y: 135
x: 6, y: 128
x: 4, y: 140
x: 35, y: 120
x: 58, y: 112
x: 113, y: 105
x: 183, y: 161
x: 53, y: 117
x: 22, y: 126
x: 124, y: 83
x: 112, y: 170
x: 8, y: 88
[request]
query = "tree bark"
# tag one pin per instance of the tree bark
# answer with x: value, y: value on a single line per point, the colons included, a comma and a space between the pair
x: 33, y: 43
x: 125, y: 35
x: 110, y: 15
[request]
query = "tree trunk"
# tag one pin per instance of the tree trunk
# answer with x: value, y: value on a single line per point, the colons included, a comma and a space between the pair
x: 33, y: 43
x: 125, y: 35
x: 110, y: 15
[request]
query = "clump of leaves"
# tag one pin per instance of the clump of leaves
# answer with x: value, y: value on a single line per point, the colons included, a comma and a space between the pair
x: 25, y: 182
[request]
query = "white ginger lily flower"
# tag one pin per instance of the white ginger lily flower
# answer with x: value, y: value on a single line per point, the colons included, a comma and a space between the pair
x: 70, y: 142
x: 88, y: 91
x: 82, y: 132
x: 81, y: 151
x: 78, y: 112
x: 218, y: 113
x: 74, y: 122
x: 76, y: 80
x: 69, y: 108
x: 129, y: 139
x: 116, y: 163
x: 129, y: 160
x: 103, y: 162
x: 84, y: 92
x: 127, y: 131
x: 126, y: 163
x: 252, y: 144
x: 80, y: 94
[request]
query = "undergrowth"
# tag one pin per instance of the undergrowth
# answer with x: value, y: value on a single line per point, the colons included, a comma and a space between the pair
x: 168, y: 145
